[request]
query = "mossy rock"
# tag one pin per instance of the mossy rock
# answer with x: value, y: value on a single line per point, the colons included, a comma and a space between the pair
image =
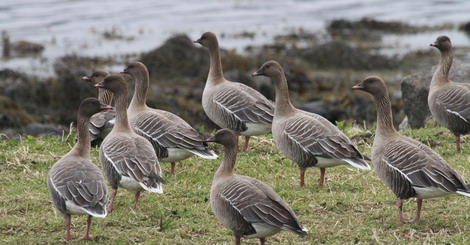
x: 12, y: 115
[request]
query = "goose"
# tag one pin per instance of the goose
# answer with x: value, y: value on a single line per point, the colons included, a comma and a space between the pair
x: 408, y: 167
x: 101, y: 123
x: 449, y: 102
x: 307, y: 138
x: 128, y: 159
x: 75, y: 183
x: 233, y: 105
x: 172, y: 138
x: 247, y: 206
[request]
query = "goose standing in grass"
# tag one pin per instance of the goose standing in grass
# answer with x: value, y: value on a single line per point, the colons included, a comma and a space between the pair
x: 408, y: 167
x: 247, y: 206
x: 449, y: 102
x: 76, y: 184
x: 101, y: 123
x: 172, y: 138
x: 307, y: 138
x: 233, y: 105
x: 128, y: 159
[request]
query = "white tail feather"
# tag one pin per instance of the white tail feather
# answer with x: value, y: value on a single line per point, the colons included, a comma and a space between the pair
x: 354, y: 164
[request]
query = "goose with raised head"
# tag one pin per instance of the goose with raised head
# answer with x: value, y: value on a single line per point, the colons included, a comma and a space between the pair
x: 101, y: 123
x: 233, y: 105
x: 449, y: 102
x: 307, y: 138
x: 247, y: 206
x: 172, y: 138
x: 75, y: 183
x: 408, y: 167
x: 128, y: 159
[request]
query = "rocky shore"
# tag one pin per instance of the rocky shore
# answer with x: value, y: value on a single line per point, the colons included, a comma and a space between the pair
x: 320, y: 69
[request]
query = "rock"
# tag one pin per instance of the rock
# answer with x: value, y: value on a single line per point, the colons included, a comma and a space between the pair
x: 325, y: 110
x: 39, y: 129
x: 415, y: 90
x: 337, y: 54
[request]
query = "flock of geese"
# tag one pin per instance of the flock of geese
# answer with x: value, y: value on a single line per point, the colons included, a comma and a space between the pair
x: 141, y: 137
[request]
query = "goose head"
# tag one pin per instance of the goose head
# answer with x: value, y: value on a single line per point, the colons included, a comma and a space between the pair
x: 113, y: 83
x: 225, y: 137
x: 269, y: 69
x: 372, y: 85
x: 96, y: 77
x: 91, y: 106
x: 136, y: 70
x: 207, y: 40
x: 442, y: 43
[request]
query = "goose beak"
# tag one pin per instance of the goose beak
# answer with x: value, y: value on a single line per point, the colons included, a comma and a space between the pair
x: 124, y: 71
x: 210, y: 139
x: 197, y: 41
x: 258, y: 72
x: 359, y: 86
x: 105, y: 107
x: 433, y: 44
x: 85, y: 78
x: 99, y: 85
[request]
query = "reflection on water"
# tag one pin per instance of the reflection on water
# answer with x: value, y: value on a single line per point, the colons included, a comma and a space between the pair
x: 99, y: 28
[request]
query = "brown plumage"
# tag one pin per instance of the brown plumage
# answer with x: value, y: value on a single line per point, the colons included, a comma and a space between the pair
x: 172, y: 138
x: 128, y: 159
x: 449, y: 102
x: 233, y: 105
x: 408, y: 167
x: 101, y: 123
x: 247, y: 206
x: 76, y: 184
x: 307, y: 138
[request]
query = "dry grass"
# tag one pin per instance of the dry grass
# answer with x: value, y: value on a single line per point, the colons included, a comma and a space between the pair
x: 353, y: 207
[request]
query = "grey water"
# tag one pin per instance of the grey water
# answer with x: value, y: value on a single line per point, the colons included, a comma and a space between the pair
x: 68, y: 27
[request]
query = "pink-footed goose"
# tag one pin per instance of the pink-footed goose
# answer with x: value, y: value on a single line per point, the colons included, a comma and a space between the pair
x: 449, y: 102
x: 408, y: 167
x: 128, y: 159
x: 75, y: 183
x: 233, y: 105
x: 307, y: 138
x: 247, y: 206
x: 172, y: 138
x: 101, y: 123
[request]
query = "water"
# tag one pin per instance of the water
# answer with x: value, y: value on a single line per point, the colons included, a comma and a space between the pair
x: 75, y: 27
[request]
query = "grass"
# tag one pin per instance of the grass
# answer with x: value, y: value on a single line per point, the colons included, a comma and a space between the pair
x: 354, y: 206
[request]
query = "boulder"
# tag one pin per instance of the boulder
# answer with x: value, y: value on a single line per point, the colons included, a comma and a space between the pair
x: 415, y: 90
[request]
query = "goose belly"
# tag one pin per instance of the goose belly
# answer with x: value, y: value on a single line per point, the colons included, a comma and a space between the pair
x: 130, y: 184
x: 429, y: 192
x: 176, y: 154
x: 329, y: 162
x: 263, y: 231
x: 256, y: 129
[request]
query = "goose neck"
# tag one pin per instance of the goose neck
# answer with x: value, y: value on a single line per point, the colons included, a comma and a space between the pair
x: 384, y: 116
x: 215, y: 71
x: 82, y: 147
x: 282, y: 103
x: 441, y: 75
x: 105, y: 96
x: 139, y: 99
x: 122, y: 123
x: 230, y: 157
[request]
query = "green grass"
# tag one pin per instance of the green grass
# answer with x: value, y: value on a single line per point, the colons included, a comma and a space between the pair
x: 354, y: 206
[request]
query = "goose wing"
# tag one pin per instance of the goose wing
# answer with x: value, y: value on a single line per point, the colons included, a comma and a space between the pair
x: 165, y: 133
x: 417, y: 165
x: 133, y: 156
x: 79, y: 181
x: 455, y: 100
x: 259, y: 203
x: 316, y: 136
